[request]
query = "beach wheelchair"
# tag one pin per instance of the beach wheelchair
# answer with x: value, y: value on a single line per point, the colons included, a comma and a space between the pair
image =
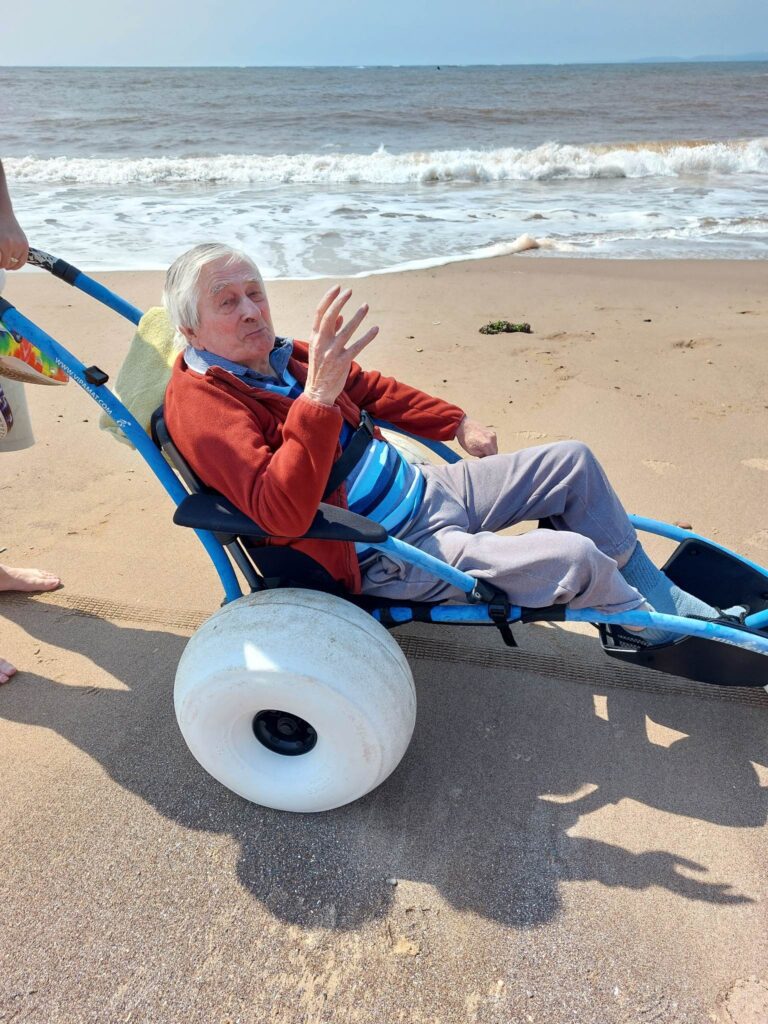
x: 295, y: 695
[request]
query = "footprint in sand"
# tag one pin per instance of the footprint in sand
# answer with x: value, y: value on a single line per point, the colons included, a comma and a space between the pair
x: 758, y: 540
x: 756, y: 464
x: 537, y: 435
x: 686, y: 343
x: 661, y: 468
x: 566, y: 336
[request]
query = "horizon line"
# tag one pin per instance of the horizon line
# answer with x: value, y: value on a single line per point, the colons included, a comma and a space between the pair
x: 745, y: 58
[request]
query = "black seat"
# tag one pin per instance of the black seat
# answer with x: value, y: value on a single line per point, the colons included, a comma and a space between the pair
x: 263, y: 565
x: 208, y: 510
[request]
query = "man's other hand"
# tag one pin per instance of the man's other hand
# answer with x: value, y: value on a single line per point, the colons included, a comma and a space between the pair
x: 476, y: 439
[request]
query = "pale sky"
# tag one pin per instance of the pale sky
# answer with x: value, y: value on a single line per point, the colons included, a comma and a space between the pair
x: 344, y: 32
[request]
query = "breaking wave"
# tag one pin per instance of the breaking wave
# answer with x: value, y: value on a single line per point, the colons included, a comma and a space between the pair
x: 551, y: 161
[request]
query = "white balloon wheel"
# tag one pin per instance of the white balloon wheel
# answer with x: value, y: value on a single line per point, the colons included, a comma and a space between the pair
x: 295, y: 700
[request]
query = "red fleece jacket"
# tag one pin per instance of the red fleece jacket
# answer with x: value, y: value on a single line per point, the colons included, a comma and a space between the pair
x: 272, y: 456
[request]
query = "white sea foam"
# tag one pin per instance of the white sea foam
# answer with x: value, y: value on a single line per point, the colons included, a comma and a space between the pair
x: 522, y: 244
x: 310, y: 230
x: 543, y: 163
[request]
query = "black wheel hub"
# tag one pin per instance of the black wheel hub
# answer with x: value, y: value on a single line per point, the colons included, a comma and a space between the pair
x: 284, y: 733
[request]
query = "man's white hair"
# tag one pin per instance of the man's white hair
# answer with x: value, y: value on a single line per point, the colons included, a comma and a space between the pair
x: 182, y: 293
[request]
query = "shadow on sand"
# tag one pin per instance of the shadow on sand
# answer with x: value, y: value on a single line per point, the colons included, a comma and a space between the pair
x: 469, y: 811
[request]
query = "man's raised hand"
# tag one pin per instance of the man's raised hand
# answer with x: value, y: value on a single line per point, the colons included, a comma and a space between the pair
x: 330, y: 350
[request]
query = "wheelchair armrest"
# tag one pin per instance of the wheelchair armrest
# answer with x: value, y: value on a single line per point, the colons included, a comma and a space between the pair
x: 215, y: 513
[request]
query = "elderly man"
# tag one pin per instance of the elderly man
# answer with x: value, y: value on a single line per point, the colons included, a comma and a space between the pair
x: 262, y: 419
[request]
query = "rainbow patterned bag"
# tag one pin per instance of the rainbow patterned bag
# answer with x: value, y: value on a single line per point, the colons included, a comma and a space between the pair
x: 23, y: 361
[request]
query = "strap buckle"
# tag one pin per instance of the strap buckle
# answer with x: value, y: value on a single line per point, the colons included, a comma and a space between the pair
x: 498, y: 608
x: 366, y: 423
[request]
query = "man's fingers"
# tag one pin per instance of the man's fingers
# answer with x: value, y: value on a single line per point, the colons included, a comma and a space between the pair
x: 323, y: 305
x: 487, y: 446
x: 353, y: 324
x: 333, y: 311
x: 360, y: 344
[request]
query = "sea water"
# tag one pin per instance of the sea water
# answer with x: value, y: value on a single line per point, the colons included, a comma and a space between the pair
x: 330, y: 171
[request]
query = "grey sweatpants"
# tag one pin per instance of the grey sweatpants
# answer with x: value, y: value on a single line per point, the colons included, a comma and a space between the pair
x: 466, y: 503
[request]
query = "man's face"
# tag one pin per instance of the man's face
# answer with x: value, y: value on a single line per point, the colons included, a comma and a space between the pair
x: 235, y: 321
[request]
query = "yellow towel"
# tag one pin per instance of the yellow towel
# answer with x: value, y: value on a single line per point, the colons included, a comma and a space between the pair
x: 144, y: 375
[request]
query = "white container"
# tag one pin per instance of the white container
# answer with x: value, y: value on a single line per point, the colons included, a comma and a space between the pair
x: 19, y: 434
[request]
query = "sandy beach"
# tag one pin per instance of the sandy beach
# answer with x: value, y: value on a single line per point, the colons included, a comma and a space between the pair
x: 570, y: 840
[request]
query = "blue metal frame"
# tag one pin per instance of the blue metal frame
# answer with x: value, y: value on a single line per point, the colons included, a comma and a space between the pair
x: 477, y: 613
x: 442, y: 450
x: 130, y: 426
x: 107, y: 298
x: 756, y: 621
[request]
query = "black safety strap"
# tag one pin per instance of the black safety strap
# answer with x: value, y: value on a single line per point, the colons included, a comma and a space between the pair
x: 351, y: 455
x: 498, y: 608
x: 499, y: 612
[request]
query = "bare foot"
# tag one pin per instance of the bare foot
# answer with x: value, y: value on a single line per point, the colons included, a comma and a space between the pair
x: 27, y: 579
x: 23, y: 579
x: 6, y: 671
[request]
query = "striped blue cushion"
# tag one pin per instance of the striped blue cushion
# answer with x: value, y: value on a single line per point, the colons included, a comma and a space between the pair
x: 382, y: 486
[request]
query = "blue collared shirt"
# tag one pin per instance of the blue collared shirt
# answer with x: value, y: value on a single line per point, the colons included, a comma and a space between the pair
x: 201, y: 361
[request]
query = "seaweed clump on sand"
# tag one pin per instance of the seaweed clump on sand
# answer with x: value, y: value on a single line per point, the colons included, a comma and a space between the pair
x: 505, y: 327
